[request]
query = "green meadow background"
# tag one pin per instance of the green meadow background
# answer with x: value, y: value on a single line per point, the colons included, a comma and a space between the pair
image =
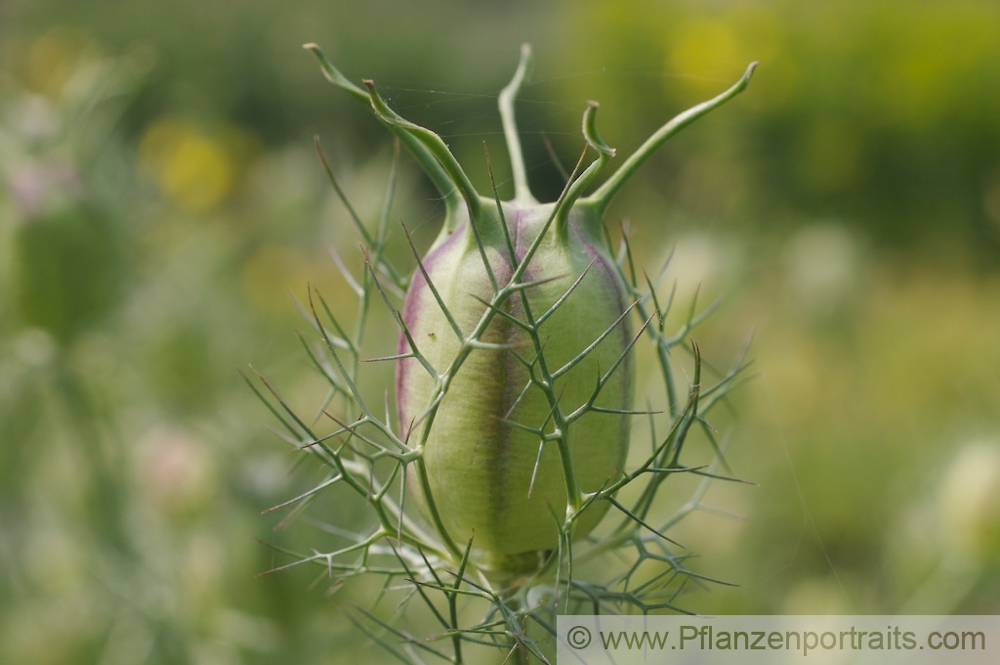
x: 162, y: 210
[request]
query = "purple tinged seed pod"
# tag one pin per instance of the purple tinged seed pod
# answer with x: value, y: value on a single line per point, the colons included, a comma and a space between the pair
x: 515, y: 377
x: 481, y: 453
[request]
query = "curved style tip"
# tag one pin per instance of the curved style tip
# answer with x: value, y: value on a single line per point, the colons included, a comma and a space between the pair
x: 745, y: 80
x: 590, y: 131
x: 602, y: 197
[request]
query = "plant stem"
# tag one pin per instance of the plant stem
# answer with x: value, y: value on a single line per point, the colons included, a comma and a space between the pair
x: 602, y: 197
x: 522, y: 192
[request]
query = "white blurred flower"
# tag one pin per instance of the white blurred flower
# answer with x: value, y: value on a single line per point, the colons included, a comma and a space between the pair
x: 175, y: 472
x: 698, y: 262
x: 969, y: 501
x: 821, y: 267
x: 956, y: 530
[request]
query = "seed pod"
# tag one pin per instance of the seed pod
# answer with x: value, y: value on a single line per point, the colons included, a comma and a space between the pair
x: 513, y: 374
x: 481, y: 453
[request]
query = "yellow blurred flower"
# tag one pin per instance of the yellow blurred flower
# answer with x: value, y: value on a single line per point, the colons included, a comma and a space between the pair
x: 193, y: 170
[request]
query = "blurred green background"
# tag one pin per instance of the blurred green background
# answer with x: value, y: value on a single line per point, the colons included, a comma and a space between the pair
x: 161, y: 199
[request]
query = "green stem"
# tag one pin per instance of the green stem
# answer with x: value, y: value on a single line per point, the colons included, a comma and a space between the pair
x: 522, y: 192
x: 428, y: 162
x: 574, y: 495
x: 606, y: 192
x: 435, y: 147
x: 577, y: 186
x: 376, y: 247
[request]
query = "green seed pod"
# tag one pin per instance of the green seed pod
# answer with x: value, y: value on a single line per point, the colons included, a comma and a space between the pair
x: 514, y: 377
x: 489, y: 469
